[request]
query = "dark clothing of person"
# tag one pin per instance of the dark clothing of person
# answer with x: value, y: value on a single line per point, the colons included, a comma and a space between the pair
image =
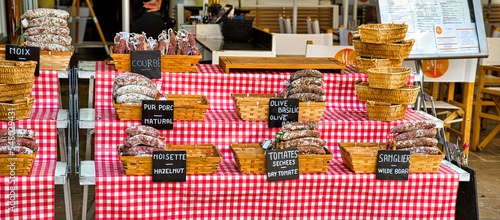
x: 151, y: 23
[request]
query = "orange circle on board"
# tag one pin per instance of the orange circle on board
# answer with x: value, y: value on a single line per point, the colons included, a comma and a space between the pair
x: 346, y: 56
x: 439, y: 30
x: 435, y: 68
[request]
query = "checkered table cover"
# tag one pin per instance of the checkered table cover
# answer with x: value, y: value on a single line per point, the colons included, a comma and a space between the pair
x: 338, y: 194
x: 46, y: 90
x: 217, y: 86
x: 35, y: 193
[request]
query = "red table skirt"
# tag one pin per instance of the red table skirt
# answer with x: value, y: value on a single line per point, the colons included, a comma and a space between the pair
x: 338, y: 194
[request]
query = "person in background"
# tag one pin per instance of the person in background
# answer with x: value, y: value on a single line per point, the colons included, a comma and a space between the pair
x: 151, y: 17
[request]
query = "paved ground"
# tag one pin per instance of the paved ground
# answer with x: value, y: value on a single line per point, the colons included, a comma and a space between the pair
x: 486, y: 163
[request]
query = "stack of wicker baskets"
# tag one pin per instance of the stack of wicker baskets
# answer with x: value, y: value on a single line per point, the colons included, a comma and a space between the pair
x: 381, y: 45
x: 16, y: 82
x: 386, y: 94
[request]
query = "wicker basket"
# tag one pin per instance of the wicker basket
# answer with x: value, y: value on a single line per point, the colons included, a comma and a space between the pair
x: 23, y: 163
x: 186, y: 108
x: 387, y: 51
x: 21, y: 107
x: 388, y: 78
x: 48, y: 60
x: 17, y: 72
x: 366, y: 63
x: 404, y: 96
x: 251, y: 159
x: 362, y: 158
x: 169, y: 63
x: 201, y: 159
x: 9, y: 92
x: 255, y: 107
x: 382, y: 33
x: 383, y: 111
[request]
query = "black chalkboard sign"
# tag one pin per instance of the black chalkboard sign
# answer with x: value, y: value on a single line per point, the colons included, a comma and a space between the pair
x: 169, y: 166
x: 19, y: 53
x: 393, y: 164
x: 283, y: 111
x: 158, y: 114
x: 282, y: 164
x: 146, y: 62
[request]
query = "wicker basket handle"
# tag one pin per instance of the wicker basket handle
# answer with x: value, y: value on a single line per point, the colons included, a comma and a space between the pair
x: 358, y: 81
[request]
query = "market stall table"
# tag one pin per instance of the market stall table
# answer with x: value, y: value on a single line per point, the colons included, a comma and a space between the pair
x: 229, y: 194
x: 35, y: 192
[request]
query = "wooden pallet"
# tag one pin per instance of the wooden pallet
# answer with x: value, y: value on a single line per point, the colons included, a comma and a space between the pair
x: 295, y: 63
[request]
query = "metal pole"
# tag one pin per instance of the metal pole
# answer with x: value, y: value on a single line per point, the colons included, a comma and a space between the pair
x: 345, y: 13
x: 125, y: 16
x: 294, y: 16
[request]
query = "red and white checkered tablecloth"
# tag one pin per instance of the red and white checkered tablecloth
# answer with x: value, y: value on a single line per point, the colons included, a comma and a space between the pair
x: 35, y: 193
x: 46, y: 90
x: 217, y: 86
x: 338, y: 194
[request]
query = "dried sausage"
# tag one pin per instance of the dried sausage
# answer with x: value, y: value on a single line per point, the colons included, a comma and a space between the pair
x: 47, y: 30
x: 307, y: 81
x: 413, y: 126
x: 430, y: 133
x: 132, y: 98
x: 142, y: 129
x: 431, y: 142
x: 50, y: 38
x: 133, y: 79
x: 45, y: 12
x: 422, y: 150
x: 307, y: 89
x: 22, y: 142
x: 140, y: 151
x: 16, y: 149
x: 18, y: 133
x: 153, y: 93
x: 48, y: 46
x: 48, y: 21
x: 307, y: 141
x: 301, y: 125
x: 300, y: 134
x: 306, y: 73
x: 146, y: 140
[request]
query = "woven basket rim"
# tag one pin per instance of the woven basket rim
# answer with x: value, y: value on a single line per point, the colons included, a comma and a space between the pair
x: 370, y: 144
x: 409, y: 42
x: 385, y: 26
x: 121, y: 55
x: 216, y: 153
x: 388, y: 70
x: 256, y: 145
x: 18, y: 156
x: 205, y: 104
x: 406, y: 87
x: 235, y: 96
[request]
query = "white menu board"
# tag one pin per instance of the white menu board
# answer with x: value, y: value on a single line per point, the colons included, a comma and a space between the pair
x: 424, y: 16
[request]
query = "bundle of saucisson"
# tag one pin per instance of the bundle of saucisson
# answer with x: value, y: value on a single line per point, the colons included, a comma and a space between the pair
x: 47, y: 29
x: 18, y: 141
x: 306, y: 86
x: 303, y: 136
x: 416, y: 137
x: 168, y: 43
x: 142, y: 140
x: 132, y: 88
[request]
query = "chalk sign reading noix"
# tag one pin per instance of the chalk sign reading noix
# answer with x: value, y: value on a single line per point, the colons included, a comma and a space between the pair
x: 169, y: 166
x: 283, y: 111
x: 146, y: 62
x: 282, y: 164
x: 158, y: 114
x: 393, y: 165
x: 19, y: 53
